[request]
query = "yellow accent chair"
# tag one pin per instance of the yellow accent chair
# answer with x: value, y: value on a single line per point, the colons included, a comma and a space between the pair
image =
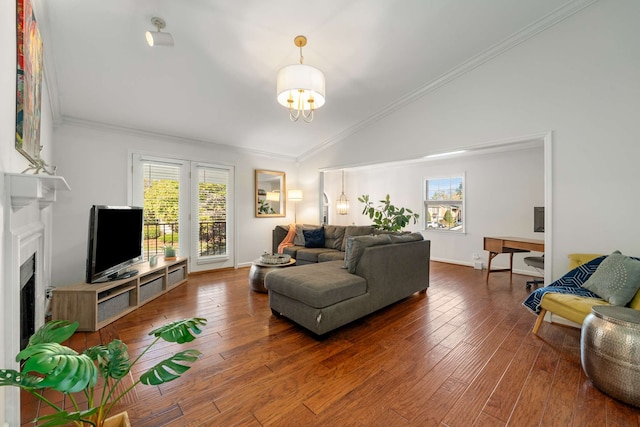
x: 572, y: 307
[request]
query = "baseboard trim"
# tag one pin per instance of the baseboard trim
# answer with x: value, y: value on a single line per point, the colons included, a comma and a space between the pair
x: 484, y: 266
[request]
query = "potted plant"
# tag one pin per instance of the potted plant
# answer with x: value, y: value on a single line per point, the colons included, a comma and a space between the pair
x: 169, y: 253
x: 265, y: 208
x: 49, y: 365
x: 387, y: 216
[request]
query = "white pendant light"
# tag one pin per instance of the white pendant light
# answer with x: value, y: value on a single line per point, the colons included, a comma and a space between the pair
x: 342, y: 204
x: 157, y: 38
x: 300, y: 88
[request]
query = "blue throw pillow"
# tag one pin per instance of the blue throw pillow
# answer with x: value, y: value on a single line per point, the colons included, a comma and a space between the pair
x: 314, y: 238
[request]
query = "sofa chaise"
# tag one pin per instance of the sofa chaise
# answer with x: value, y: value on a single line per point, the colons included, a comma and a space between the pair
x: 377, y: 271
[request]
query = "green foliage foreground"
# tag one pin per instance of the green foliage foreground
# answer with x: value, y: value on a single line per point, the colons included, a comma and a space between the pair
x: 49, y: 365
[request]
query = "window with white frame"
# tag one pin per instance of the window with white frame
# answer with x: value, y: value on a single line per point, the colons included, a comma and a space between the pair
x: 444, y: 203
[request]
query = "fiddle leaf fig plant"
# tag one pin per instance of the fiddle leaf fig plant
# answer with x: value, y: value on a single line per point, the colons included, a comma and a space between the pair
x: 387, y: 216
x: 49, y: 365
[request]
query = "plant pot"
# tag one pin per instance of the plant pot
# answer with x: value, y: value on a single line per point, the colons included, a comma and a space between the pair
x: 118, y: 420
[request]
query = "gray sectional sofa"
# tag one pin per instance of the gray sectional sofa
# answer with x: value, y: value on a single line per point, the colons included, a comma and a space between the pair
x: 333, y: 249
x: 378, y: 270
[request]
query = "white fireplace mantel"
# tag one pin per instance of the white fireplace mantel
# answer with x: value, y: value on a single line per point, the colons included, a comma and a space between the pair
x: 24, y: 188
x: 27, y: 232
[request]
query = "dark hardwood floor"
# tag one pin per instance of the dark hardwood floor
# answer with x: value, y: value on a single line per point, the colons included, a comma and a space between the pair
x: 462, y: 355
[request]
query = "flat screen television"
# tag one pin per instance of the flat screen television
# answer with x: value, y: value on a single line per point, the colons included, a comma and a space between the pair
x: 115, y: 242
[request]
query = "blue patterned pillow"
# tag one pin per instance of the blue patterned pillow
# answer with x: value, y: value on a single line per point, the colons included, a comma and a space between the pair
x: 314, y: 238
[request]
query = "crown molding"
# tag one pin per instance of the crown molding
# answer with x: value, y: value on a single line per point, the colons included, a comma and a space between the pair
x: 558, y: 15
x: 149, y: 134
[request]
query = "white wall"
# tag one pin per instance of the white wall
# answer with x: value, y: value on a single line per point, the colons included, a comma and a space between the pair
x: 94, y: 162
x: 495, y: 206
x: 578, y: 79
x: 12, y: 162
x: 7, y: 132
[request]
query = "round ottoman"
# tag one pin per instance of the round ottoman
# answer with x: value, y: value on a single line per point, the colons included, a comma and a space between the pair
x: 610, y: 351
x: 259, y: 270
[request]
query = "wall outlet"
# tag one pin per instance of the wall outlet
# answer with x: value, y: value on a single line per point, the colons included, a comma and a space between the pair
x: 475, y: 255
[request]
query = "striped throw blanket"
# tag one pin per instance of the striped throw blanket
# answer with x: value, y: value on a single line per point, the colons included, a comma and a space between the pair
x: 570, y: 283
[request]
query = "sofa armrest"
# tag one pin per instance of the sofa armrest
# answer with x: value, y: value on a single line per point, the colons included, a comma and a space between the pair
x: 277, y: 235
x: 395, y: 271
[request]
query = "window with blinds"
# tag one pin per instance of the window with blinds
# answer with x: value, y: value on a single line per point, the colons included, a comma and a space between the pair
x: 161, y: 207
x: 212, y: 211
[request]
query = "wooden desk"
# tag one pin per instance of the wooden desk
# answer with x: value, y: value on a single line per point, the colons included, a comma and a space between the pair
x: 510, y: 245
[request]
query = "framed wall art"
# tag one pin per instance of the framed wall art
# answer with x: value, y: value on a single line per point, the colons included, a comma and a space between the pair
x: 28, y: 83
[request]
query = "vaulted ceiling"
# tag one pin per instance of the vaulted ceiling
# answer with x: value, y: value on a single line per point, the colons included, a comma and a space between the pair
x: 217, y: 83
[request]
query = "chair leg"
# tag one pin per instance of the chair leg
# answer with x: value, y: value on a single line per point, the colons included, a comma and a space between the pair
x: 539, y: 320
x: 534, y: 282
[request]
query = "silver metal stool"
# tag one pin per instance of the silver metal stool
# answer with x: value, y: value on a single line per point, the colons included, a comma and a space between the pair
x: 610, y: 351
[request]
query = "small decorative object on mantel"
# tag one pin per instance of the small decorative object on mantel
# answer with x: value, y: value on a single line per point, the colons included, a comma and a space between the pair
x: 48, y: 366
x: 387, y: 216
x: 37, y: 164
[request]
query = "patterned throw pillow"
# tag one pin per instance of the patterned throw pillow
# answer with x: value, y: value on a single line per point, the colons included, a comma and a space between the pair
x: 616, y: 280
x: 314, y: 238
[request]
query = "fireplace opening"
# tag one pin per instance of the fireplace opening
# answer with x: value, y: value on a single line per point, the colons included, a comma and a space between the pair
x: 27, y: 300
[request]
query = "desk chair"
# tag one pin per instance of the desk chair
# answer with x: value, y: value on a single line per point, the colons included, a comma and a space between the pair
x: 536, y: 262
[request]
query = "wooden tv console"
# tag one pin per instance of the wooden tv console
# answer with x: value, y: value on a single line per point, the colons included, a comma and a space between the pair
x: 98, y: 304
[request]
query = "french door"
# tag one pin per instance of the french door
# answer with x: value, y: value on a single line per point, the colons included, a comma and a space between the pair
x: 187, y: 205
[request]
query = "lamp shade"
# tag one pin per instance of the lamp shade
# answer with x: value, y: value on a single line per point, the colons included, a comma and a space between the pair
x: 300, y: 81
x: 273, y: 196
x: 156, y: 38
x: 294, y: 195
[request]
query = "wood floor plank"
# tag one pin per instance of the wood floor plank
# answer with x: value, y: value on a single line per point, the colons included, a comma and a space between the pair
x: 503, y: 399
x: 535, y: 394
x: 591, y: 404
x: 470, y: 404
x: 463, y: 354
x: 560, y: 409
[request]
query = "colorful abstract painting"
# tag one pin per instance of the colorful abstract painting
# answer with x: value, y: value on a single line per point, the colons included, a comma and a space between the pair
x: 29, y: 81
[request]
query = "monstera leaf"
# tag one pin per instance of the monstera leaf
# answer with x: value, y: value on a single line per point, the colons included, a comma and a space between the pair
x: 56, y: 331
x: 180, y: 331
x: 18, y: 379
x: 113, y: 359
x: 63, y: 418
x: 62, y: 368
x: 169, y: 369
